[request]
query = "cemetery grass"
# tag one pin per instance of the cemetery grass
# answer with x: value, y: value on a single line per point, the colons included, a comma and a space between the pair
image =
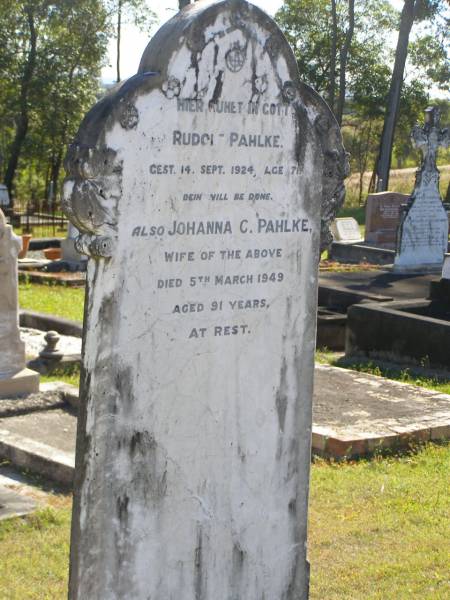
x: 378, y: 529
x: 59, y: 300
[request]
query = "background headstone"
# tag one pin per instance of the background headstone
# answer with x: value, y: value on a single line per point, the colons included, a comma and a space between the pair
x: 15, y: 379
x: 423, y: 234
x: 383, y: 212
x: 69, y: 253
x: 346, y: 229
x: 4, y: 196
x: 198, y: 187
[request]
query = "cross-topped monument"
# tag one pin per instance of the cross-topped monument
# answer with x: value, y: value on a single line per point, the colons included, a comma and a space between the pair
x: 15, y: 378
x: 423, y: 233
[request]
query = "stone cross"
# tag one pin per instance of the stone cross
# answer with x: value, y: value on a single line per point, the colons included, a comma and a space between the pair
x: 422, y: 238
x: 202, y: 189
x: 15, y: 379
x: 429, y: 139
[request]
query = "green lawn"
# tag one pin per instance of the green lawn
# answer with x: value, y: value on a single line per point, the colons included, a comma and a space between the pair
x: 379, y: 530
x: 58, y: 300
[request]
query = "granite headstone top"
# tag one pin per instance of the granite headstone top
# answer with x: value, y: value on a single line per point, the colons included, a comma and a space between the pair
x: 15, y: 379
x: 383, y: 213
x: 201, y: 188
x: 346, y: 229
x: 422, y: 239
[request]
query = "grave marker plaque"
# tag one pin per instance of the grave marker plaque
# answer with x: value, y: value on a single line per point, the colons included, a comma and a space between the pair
x: 346, y: 229
x: 199, y: 187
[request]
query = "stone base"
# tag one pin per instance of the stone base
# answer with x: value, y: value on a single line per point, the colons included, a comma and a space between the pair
x: 418, y: 269
x: 21, y: 383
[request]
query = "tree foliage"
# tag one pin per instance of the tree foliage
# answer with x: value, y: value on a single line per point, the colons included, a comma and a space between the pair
x: 318, y: 30
x: 50, y: 59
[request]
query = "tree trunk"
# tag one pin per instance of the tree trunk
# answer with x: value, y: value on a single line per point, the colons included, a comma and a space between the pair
x: 119, y: 32
x: 393, y: 100
x: 332, y: 86
x: 343, y: 55
x: 22, y: 121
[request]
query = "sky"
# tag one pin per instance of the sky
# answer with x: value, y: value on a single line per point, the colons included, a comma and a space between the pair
x: 135, y: 41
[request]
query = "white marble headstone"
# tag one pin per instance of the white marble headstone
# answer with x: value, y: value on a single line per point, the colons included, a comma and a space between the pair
x: 198, y: 188
x: 346, y: 229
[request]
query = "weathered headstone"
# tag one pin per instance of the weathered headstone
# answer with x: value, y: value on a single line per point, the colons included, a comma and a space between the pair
x: 383, y: 212
x: 346, y: 229
x: 198, y: 189
x: 15, y: 379
x: 423, y: 233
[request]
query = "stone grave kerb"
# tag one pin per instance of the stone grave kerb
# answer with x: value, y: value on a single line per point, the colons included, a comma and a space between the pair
x: 194, y: 431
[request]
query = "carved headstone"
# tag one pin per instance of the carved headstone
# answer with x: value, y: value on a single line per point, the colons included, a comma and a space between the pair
x: 423, y: 234
x: 383, y: 213
x: 198, y: 189
x: 15, y: 379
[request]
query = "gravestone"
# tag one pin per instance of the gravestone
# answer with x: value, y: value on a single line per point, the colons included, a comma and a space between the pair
x: 4, y: 196
x: 15, y: 379
x: 198, y: 188
x: 346, y: 229
x: 383, y: 213
x: 423, y: 233
x: 69, y: 253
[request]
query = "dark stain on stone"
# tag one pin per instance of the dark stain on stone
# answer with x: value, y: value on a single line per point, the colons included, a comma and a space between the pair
x: 122, y: 508
x: 142, y: 442
x: 198, y: 567
x: 281, y: 396
x: 124, y: 386
x: 292, y: 507
x: 238, y: 558
x: 218, y: 88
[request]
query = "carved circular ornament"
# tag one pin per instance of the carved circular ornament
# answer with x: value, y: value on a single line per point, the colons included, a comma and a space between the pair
x: 289, y: 91
x: 171, y: 88
x: 235, y: 57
